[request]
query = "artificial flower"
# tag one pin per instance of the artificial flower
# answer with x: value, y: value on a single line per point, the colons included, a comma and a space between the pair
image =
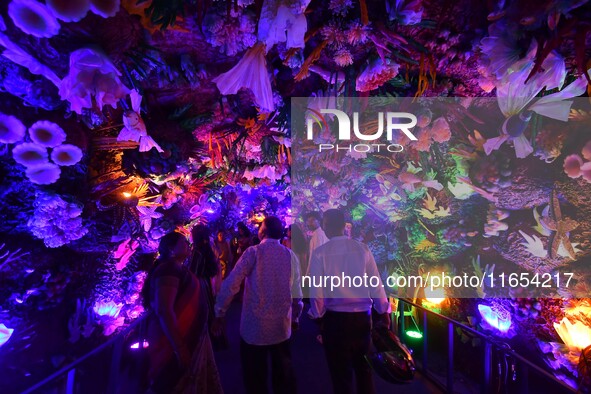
x: 357, y: 33
x: 250, y: 73
x: 500, y: 48
x: 124, y: 251
x: 147, y: 213
x: 11, y: 129
x: 43, y: 174
x: 283, y: 21
x: 333, y: 34
x: 440, y: 131
x: 514, y: 96
x: 5, y: 333
x: 105, y: 8
x: 69, y: 10
x: 340, y: 7
x: 29, y: 154
x: 33, y: 18
x: 47, y: 134
x: 66, y: 155
x: 232, y: 35
x: 91, y: 75
x: 55, y: 220
x: 343, y: 57
x: 375, y: 74
x: 572, y: 166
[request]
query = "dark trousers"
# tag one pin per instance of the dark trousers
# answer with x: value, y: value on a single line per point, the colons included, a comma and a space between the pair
x: 255, y: 365
x: 346, y: 338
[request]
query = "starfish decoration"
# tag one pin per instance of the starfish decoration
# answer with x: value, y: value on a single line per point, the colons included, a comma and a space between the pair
x: 560, y: 227
x: 147, y: 213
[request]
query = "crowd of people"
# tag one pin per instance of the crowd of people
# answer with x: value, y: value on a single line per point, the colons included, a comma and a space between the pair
x: 190, y: 289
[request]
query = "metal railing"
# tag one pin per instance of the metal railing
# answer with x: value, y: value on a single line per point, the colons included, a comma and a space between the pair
x: 69, y: 371
x: 491, y: 343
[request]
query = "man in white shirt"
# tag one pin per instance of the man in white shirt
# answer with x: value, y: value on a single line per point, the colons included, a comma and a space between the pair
x: 344, y: 311
x: 318, y: 238
x: 271, y: 273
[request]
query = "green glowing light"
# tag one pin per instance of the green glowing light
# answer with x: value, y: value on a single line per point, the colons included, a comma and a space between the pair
x: 414, y: 334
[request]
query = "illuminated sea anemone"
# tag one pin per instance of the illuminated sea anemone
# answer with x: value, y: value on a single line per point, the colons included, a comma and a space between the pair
x: 43, y: 174
x: 33, y: 18
x: 69, y: 10
x: 47, y: 134
x: 29, y: 154
x: 572, y: 166
x: 11, y: 129
x: 66, y: 155
x: 105, y: 8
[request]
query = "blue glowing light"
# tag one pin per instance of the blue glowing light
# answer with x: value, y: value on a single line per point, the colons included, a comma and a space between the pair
x: 5, y: 334
x: 496, y: 316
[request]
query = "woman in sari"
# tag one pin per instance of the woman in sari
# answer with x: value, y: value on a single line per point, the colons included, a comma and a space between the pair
x: 181, y: 356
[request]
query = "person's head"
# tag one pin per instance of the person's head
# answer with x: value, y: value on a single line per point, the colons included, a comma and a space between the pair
x: 200, y: 234
x: 220, y: 235
x: 288, y: 232
x: 333, y: 223
x: 243, y: 231
x: 313, y: 220
x: 271, y: 228
x: 173, y: 246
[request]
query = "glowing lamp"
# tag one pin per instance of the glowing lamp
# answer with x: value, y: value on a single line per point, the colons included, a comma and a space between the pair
x: 416, y: 334
x: 130, y: 199
x: 434, y: 295
x: 108, y: 309
x: 496, y: 316
x: 575, y: 336
x: 137, y: 345
x: 5, y: 334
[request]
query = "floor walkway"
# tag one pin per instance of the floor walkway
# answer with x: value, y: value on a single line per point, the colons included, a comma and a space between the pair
x: 308, y: 357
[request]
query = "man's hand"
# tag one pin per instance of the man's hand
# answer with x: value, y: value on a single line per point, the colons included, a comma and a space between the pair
x: 295, y: 325
x: 218, y: 325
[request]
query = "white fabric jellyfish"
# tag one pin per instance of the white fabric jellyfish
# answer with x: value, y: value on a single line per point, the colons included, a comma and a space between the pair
x: 135, y: 128
x: 283, y: 21
x: 250, y: 73
x: 91, y: 74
